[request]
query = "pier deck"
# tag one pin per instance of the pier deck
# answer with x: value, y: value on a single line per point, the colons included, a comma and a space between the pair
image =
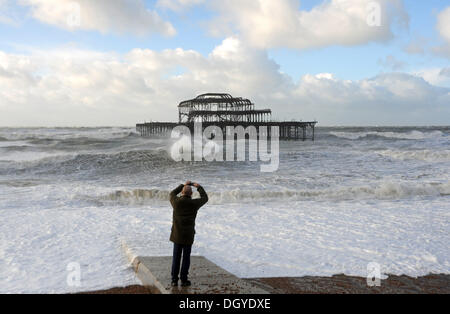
x: 288, y: 130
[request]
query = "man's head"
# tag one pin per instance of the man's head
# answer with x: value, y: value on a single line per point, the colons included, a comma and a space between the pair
x: 187, y: 190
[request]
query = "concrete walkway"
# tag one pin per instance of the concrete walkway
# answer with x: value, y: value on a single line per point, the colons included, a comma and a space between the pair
x: 206, y: 277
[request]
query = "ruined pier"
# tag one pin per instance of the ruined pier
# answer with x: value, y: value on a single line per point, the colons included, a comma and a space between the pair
x: 223, y: 110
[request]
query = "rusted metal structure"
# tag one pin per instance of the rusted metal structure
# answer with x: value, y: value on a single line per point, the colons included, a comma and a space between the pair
x: 224, y: 110
x: 220, y: 108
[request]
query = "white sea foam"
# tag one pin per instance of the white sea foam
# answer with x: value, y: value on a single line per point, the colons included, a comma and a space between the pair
x: 412, y: 135
x: 250, y: 240
x: 425, y: 154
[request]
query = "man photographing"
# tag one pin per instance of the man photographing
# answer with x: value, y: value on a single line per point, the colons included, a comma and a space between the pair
x: 183, y: 228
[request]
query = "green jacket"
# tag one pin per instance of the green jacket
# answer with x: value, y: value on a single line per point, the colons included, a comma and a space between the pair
x: 184, y: 213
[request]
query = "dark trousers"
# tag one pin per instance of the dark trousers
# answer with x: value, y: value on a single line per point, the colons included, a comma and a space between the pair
x: 178, y: 250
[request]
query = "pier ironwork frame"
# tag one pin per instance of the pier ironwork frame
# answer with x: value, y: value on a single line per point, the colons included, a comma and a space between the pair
x: 224, y: 110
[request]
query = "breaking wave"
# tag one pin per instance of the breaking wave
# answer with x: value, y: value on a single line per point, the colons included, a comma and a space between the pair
x: 48, y: 136
x: 412, y: 135
x: 425, y: 155
x: 383, y: 191
x: 120, y: 162
x: 19, y: 183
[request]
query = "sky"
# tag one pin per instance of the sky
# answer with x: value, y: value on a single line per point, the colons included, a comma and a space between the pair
x: 122, y: 62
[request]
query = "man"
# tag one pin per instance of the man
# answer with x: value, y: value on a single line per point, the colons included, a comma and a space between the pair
x: 183, y: 228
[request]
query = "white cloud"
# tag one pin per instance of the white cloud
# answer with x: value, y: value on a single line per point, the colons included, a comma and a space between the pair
x: 443, y: 27
x: 78, y: 87
x: 443, y: 24
x: 435, y: 76
x: 268, y: 24
x: 392, y: 99
x: 117, y: 16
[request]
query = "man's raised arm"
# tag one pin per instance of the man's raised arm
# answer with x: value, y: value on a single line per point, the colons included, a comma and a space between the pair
x: 175, y: 192
x: 203, y: 196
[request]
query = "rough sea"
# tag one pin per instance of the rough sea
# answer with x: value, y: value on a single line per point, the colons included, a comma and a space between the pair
x: 353, y: 196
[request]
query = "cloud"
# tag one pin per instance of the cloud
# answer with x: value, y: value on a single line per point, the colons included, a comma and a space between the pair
x: 105, y: 16
x: 269, y: 24
x: 443, y: 24
x: 445, y: 72
x: 417, y: 46
x: 79, y: 87
x: 443, y: 28
x: 387, y: 99
x: 420, y: 45
x: 435, y: 76
x: 392, y: 63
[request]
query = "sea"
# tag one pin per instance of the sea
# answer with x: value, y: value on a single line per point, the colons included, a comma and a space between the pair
x: 356, y: 196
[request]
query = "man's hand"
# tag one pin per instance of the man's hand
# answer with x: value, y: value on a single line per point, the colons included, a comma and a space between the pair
x: 192, y: 183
